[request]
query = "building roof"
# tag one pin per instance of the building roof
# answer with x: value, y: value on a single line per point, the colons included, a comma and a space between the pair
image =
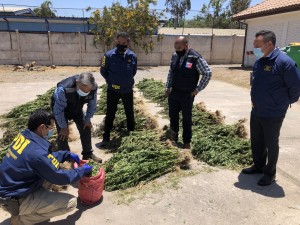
x: 5, y: 10
x: 268, y: 7
x: 200, y: 31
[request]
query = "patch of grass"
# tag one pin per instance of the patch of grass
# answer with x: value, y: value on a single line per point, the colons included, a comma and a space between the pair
x: 213, y: 142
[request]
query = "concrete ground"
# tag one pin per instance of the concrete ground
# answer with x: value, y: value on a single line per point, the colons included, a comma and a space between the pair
x: 203, y: 195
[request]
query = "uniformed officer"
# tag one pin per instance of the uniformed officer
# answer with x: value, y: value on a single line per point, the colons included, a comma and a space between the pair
x: 67, y: 103
x: 275, y: 86
x: 182, y: 86
x: 28, y: 163
x: 118, y: 68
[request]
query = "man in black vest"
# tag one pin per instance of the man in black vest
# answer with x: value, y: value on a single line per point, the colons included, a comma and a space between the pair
x: 182, y: 86
x: 67, y: 103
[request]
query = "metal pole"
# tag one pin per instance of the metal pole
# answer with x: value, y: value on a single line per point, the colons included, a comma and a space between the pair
x: 19, y: 47
x: 183, y: 24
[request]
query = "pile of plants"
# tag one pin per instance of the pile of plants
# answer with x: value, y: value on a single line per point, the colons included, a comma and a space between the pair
x: 142, y: 120
x: 213, y: 142
x: 142, y: 157
x: 16, y: 120
x: 154, y: 90
x: 95, y: 169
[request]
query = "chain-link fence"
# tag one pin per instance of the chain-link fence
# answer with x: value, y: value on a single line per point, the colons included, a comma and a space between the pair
x: 178, y: 20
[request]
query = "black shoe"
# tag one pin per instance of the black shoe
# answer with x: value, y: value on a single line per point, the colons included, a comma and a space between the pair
x: 266, y: 180
x: 252, y: 170
x: 186, y: 146
x: 102, y: 144
x: 93, y: 157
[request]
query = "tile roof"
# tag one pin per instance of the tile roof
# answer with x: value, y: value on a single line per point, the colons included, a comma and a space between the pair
x: 268, y: 7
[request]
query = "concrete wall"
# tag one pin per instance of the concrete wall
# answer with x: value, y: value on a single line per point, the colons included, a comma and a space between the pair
x: 285, y: 26
x: 79, y: 50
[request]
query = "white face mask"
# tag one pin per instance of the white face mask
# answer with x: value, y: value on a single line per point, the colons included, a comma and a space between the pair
x: 49, y: 134
x: 258, y: 53
x: 82, y: 93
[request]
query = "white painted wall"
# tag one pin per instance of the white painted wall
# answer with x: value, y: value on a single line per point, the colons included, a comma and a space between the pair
x: 286, y: 27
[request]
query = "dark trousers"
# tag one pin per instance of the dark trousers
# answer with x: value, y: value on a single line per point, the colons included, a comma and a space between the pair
x: 265, y: 134
x: 181, y: 102
x: 85, y: 137
x: 112, y: 106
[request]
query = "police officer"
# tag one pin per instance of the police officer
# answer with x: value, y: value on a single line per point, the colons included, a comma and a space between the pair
x: 275, y: 86
x: 182, y: 86
x: 67, y: 103
x: 28, y: 163
x: 118, y: 68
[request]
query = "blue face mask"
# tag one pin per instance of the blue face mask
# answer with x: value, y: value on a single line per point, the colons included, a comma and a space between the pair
x: 50, y: 133
x: 82, y: 93
x: 258, y: 53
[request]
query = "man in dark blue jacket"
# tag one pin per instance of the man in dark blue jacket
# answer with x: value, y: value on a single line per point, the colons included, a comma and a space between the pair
x: 28, y: 163
x: 276, y: 85
x: 68, y: 100
x: 118, y: 68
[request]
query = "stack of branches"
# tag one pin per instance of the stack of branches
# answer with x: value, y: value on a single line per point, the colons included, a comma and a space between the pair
x: 213, y: 142
x: 140, y: 156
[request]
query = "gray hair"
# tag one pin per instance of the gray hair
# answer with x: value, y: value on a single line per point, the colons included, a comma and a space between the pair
x: 86, y: 78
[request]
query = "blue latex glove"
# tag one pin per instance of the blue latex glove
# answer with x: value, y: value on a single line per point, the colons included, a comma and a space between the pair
x: 75, y: 158
x: 87, y: 168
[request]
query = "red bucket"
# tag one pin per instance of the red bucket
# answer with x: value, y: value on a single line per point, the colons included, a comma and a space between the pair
x: 90, y: 189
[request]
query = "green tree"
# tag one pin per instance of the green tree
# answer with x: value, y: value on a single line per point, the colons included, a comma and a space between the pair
x: 218, y: 16
x: 198, y: 21
x: 178, y: 9
x: 131, y: 3
x: 214, y: 13
x: 236, y: 6
x: 137, y: 19
x: 45, y: 10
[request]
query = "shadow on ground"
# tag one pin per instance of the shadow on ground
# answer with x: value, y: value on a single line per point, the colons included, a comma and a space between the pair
x: 241, y: 68
x: 249, y: 182
x: 71, y: 219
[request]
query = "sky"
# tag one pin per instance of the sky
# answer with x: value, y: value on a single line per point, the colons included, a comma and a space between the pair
x: 196, y: 4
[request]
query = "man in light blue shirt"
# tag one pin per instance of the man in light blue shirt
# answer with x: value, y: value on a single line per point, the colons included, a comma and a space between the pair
x: 67, y: 102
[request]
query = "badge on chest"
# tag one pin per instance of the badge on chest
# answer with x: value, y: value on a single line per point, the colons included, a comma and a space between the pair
x: 268, y: 68
x: 189, y: 65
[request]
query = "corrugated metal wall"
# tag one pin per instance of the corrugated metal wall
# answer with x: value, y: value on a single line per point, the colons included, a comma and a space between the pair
x: 43, y: 25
